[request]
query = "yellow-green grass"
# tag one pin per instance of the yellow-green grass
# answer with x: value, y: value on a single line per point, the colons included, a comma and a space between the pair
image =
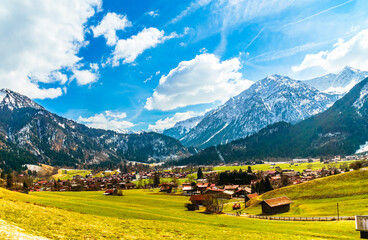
x: 68, y: 174
x: 296, y: 167
x: 320, y: 197
x: 141, y: 214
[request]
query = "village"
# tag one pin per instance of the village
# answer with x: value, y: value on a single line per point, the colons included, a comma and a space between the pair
x: 203, y: 185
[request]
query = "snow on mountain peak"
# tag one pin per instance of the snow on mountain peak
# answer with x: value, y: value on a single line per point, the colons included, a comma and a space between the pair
x: 13, y: 100
x: 339, y: 83
x: 272, y: 99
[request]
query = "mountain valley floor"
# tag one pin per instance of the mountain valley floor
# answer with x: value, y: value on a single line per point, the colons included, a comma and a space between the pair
x: 142, y: 214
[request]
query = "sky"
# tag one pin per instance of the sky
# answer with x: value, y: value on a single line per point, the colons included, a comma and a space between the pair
x: 147, y: 64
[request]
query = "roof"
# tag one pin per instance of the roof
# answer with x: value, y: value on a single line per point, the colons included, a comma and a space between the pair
x: 274, y: 202
x: 197, y: 198
x: 187, y: 188
x: 250, y: 196
x: 231, y: 187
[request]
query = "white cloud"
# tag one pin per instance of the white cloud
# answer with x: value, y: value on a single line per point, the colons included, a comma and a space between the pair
x: 352, y: 53
x: 148, y: 79
x: 195, y: 5
x: 129, y: 49
x: 278, y: 54
x: 111, y: 23
x: 38, y: 39
x: 169, y: 122
x: 84, y: 77
x: 204, y: 79
x: 107, y: 120
x: 153, y: 13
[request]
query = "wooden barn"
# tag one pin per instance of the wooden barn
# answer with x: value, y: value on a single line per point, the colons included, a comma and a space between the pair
x: 199, y: 199
x: 276, y: 205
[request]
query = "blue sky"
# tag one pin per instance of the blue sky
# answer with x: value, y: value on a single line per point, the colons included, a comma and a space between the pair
x: 144, y: 65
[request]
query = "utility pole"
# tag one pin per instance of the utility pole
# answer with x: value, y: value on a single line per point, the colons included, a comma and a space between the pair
x: 338, y: 215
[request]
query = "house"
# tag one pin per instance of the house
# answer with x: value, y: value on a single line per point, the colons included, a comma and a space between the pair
x: 276, y: 205
x: 199, y: 199
x: 240, y: 193
x: 202, y: 187
x: 250, y: 196
x: 219, y: 193
x: 167, y: 187
x: 187, y: 189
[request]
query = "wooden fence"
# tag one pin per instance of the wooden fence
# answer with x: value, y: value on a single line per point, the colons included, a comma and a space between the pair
x: 302, y: 218
x: 293, y: 218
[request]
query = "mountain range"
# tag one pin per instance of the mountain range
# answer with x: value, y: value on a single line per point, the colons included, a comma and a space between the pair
x: 339, y: 83
x: 273, y: 99
x: 340, y: 130
x: 28, y: 128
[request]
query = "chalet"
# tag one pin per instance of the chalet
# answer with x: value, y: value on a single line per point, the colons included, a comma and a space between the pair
x: 202, y: 187
x: 241, y: 193
x: 231, y: 187
x: 250, y: 196
x: 168, y: 187
x: 276, y: 205
x: 219, y: 193
x: 187, y: 189
x: 199, y: 199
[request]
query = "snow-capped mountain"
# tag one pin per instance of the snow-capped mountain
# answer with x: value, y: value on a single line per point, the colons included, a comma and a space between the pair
x: 183, y: 127
x: 272, y: 99
x: 55, y: 140
x: 340, y: 130
x: 340, y: 83
x: 13, y: 100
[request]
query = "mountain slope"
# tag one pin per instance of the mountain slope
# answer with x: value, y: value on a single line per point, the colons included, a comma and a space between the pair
x: 181, y: 128
x: 273, y: 99
x: 340, y: 130
x: 339, y: 83
x: 58, y: 141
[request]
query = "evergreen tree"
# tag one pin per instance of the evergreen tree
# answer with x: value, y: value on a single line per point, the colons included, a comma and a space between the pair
x: 9, y: 181
x: 249, y: 169
x: 199, y: 173
x: 156, y: 179
x: 262, y: 187
x: 25, y: 187
x: 125, y: 170
x: 268, y: 186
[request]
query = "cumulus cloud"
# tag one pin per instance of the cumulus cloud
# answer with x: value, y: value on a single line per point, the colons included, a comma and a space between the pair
x: 169, y: 122
x: 204, y: 79
x: 111, y: 23
x: 353, y: 53
x: 128, y: 50
x: 107, y: 120
x: 84, y: 77
x: 38, y: 40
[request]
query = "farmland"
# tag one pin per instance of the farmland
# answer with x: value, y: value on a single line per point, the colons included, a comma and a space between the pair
x: 141, y: 214
x: 320, y: 197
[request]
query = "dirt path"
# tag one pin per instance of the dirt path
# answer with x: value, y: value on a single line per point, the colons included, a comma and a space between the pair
x: 9, y: 231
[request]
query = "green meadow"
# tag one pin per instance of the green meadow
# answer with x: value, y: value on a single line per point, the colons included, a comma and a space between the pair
x: 141, y: 214
x: 321, y: 196
x: 296, y: 167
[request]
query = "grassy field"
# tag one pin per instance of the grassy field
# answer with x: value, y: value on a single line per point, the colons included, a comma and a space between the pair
x: 65, y: 174
x: 296, y: 167
x: 141, y: 214
x: 320, y: 197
